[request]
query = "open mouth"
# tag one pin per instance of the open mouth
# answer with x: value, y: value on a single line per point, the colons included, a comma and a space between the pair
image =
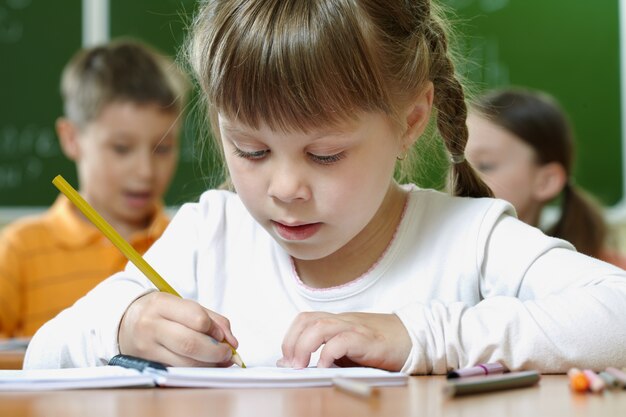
x: 138, y: 199
x: 296, y: 232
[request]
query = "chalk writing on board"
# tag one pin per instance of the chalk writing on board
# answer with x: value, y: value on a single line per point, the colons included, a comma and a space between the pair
x: 23, y: 153
x: 11, y: 28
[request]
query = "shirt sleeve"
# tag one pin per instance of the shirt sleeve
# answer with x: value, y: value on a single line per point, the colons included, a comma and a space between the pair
x: 543, y: 306
x: 86, y: 334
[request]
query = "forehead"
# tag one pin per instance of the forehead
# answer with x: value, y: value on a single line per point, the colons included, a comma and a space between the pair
x: 235, y: 126
x: 486, y: 136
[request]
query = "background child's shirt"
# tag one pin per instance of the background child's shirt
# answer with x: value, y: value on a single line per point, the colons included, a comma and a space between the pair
x: 49, y: 261
x: 470, y: 282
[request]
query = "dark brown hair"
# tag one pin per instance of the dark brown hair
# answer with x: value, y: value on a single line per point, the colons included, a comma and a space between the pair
x: 537, y: 119
x: 297, y: 64
x: 122, y: 70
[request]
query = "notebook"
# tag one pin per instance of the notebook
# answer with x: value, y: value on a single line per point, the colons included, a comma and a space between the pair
x: 233, y: 377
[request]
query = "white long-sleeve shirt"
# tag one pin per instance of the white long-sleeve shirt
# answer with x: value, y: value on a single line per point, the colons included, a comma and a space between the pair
x: 470, y: 282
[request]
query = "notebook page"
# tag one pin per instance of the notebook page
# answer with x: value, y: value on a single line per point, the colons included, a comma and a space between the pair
x: 72, y: 378
x: 272, y: 377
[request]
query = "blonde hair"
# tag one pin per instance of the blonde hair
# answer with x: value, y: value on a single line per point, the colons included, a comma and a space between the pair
x: 121, y: 70
x: 299, y: 64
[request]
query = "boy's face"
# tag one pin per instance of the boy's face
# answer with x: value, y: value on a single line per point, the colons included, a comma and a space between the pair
x: 314, y: 192
x: 126, y: 159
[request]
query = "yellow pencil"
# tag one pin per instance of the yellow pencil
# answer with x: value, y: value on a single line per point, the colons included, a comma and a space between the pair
x: 121, y: 244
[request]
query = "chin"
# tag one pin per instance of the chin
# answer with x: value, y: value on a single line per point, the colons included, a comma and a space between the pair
x: 306, y: 252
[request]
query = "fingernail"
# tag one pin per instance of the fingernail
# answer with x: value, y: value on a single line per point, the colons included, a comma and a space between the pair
x: 215, y: 342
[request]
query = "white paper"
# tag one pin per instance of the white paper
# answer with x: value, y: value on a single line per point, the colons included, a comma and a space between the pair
x: 233, y: 377
x: 73, y: 378
x: 271, y: 377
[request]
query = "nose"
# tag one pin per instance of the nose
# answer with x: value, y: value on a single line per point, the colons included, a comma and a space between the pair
x: 145, y: 164
x: 289, y: 183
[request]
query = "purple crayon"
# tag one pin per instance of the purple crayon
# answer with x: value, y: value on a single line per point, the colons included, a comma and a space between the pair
x: 478, y: 370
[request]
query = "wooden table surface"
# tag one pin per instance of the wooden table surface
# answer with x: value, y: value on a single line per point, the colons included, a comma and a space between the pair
x: 422, y: 397
x: 11, y: 359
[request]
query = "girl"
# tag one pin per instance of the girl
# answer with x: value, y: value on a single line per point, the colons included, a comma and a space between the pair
x: 523, y: 147
x: 320, y: 252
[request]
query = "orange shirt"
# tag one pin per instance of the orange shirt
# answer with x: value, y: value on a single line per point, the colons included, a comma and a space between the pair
x: 47, y: 262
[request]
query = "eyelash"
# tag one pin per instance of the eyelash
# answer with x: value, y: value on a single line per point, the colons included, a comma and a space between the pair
x: 258, y: 155
x: 327, y: 159
x: 253, y: 156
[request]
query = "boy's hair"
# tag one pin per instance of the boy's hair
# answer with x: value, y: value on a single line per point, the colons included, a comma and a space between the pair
x: 537, y: 119
x: 120, y: 71
x: 296, y: 65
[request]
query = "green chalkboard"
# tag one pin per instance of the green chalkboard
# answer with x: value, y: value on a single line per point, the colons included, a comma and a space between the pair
x: 569, y: 48
x: 36, y: 39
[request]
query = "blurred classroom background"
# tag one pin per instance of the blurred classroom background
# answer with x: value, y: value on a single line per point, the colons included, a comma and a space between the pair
x: 569, y: 48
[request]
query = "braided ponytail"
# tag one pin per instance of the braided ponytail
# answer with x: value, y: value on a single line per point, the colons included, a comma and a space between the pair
x: 451, y: 109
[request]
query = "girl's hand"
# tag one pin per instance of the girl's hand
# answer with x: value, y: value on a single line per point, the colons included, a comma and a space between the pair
x: 177, y: 332
x: 364, y: 339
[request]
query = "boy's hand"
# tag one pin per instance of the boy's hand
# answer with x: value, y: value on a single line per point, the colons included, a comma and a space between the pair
x: 364, y: 339
x: 177, y: 332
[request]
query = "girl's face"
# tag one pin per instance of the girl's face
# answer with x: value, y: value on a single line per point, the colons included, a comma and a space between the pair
x: 507, y: 164
x: 314, y: 192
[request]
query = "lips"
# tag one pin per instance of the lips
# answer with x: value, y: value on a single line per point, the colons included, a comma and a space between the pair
x: 138, y: 199
x: 296, y: 232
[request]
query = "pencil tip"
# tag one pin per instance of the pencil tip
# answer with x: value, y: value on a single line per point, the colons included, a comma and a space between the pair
x: 237, y: 359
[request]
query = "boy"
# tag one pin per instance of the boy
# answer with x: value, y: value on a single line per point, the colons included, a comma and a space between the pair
x: 123, y: 104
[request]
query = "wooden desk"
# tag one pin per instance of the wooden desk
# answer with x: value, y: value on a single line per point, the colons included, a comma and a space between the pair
x: 11, y: 359
x: 422, y: 397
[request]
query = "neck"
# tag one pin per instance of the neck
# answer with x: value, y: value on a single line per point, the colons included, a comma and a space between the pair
x: 362, y: 252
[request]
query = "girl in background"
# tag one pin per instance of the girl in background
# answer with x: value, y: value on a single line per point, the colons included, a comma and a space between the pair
x: 522, y: 144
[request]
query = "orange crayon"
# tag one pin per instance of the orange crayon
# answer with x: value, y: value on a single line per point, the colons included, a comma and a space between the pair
x: 577, y: 380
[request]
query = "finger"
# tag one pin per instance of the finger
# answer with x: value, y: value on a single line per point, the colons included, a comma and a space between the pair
x: 191, y: 344
x: 224, y: 324
x: 168, y: 358
x: 191, y: 314
x: 315, y: 335
x: 351, y: 345
x: 301, y: 322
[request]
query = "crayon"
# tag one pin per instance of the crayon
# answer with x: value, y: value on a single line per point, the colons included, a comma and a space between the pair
x: 478, y: 384
x: 577, y: 380
x: 609, y: 380
x: 358, y: 388
x: 620, y: 376
x: 596, y: 384
x: 478, y: 370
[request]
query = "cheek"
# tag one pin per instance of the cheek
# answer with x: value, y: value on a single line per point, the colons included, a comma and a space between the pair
x: 511, y: 186
x: 358, y: 190
x: 248, y: 183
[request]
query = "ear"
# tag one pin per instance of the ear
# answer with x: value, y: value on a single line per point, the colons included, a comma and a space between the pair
x: 418, y: 115
x: 549, y: 182
x: 68, y: 138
